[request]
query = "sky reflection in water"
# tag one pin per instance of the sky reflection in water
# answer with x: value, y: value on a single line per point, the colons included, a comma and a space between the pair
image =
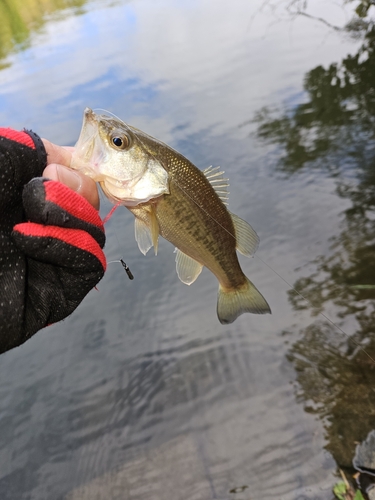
x: 141, y: 393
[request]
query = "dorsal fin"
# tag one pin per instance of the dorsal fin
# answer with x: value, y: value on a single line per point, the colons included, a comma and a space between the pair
x: 218, y: 182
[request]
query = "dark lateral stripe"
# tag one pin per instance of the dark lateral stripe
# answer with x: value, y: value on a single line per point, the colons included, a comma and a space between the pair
x: 20, y: 137
x: 74, y: 237
x: 72, y: 202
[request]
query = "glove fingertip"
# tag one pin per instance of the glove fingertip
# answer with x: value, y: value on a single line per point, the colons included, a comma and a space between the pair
x: 54, y: 244
x: 72, y: 202
x: 51, y: 202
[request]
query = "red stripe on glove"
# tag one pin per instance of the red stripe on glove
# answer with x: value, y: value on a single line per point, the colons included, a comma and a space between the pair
x: 61, y: 195
x: 20, y: 137
x: 75, y: 237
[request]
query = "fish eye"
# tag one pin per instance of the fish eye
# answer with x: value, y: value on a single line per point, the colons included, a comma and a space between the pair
x: 120, y: 141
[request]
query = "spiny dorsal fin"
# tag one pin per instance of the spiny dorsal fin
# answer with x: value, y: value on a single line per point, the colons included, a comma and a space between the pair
x: 187, y: 268
x: 218, y: 182
x: 247, y: 240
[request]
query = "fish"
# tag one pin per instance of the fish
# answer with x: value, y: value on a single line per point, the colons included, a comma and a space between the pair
x: 170, y: 197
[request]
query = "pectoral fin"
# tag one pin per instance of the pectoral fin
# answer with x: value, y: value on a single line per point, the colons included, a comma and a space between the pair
x: 142, y: 235
x: 187, y: 268
x: 247, y: 240
x: 147, y: 233
x: 154, y: 229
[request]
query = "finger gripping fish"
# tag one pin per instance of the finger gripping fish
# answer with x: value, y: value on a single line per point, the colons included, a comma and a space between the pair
x: 171, y: 197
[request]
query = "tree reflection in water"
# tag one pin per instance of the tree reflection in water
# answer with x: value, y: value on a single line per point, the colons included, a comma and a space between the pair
x: 334, y: 129
x: 20, y: 19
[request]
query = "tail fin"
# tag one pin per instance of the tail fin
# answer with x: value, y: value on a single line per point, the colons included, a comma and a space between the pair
x: 232, y: 303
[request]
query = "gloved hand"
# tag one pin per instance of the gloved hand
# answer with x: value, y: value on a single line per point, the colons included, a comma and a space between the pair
x: 51, y: 241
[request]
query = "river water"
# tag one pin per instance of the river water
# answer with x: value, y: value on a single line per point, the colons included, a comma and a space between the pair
x: 141, y: 393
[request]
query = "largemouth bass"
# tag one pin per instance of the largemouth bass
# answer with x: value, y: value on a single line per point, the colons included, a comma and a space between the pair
x: 171, y: 197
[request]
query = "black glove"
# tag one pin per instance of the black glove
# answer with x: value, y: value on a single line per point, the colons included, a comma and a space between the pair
x: 50, y: 242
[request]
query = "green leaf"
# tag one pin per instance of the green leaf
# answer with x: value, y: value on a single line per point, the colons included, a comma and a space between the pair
x: 358, y: 495
x: 339, y: 490
x: 363, y: 8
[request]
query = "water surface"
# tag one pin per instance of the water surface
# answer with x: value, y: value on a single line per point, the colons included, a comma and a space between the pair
x: 142, y: 393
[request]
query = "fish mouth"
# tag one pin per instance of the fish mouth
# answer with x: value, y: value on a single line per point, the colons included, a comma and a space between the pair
x: 96, y: 156
x: 129, y: 187
x: 92, y: 118
x: 84, y: 148
x: 89, y: 115
x: 88, y: 156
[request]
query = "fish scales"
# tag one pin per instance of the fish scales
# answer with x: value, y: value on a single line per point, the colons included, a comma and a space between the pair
x: 171, y: 197
x: 190, y: 225
x: 184, y: 224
